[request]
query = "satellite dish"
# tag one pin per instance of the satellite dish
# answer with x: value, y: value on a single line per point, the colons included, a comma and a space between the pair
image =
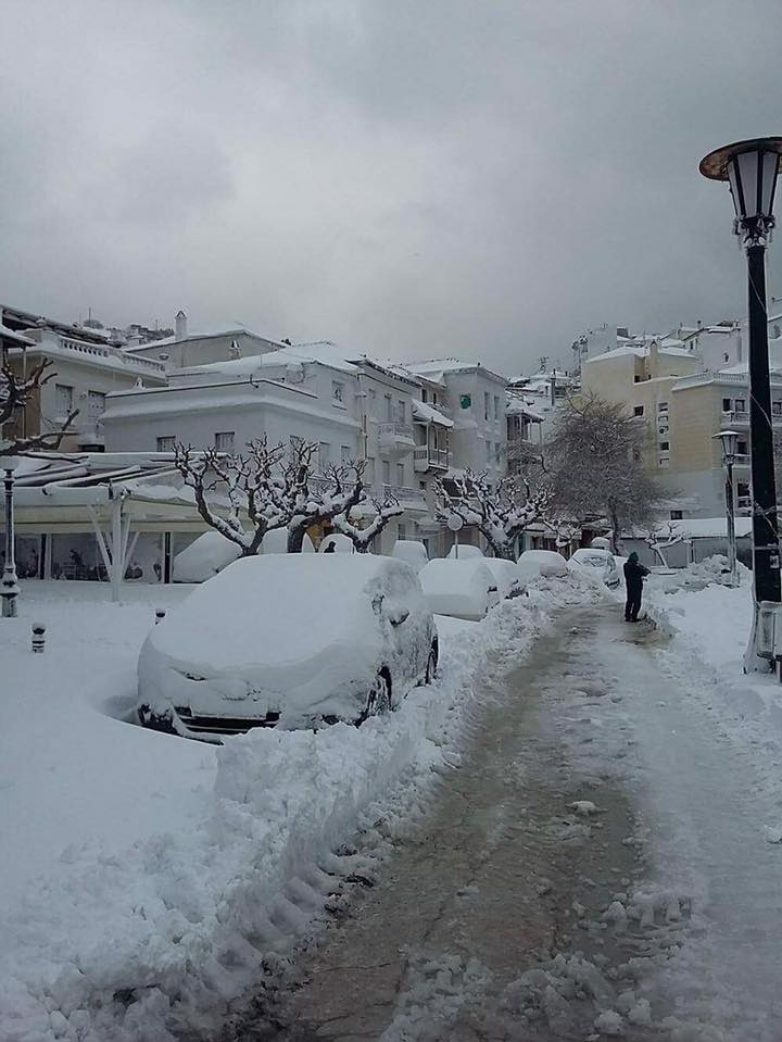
x: 455, y: 523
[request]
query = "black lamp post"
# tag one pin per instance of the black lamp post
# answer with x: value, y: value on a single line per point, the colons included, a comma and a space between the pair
x: 729, y: 441
x: 751, y: 168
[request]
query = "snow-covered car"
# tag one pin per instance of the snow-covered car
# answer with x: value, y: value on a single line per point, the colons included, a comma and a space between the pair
x: 506, y: 576
x: 206, y: 556
x: 291, y: 640
x: 463, y: 551
x: 599, y: 563
x: 534, y: 563
x: 466, y: 589
x: 413, y: 551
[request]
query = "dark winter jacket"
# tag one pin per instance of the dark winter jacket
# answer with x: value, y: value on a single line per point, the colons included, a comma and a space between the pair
x: 634, y: 574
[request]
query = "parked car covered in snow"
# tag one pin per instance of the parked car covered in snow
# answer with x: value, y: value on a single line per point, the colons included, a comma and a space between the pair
x: 599, y: 563
x: 411, y: 550
x: 534, y: 563
x: 206, y: 556
x: 506, y: 576
x: 291, y: 640
x: 466, y: 589
x: 463, y: 551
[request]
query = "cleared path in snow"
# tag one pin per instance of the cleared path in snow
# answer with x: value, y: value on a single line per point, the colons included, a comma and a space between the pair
x: 549, y: 893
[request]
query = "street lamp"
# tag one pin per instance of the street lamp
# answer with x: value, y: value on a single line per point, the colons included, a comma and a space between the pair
x: 751, y: 168
x: 9, y: 586
x: 729, y: 440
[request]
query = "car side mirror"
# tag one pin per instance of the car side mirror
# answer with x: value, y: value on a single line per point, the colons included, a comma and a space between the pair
x: 397, y: 618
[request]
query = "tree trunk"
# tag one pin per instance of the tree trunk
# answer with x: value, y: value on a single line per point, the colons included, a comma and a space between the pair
x: 296, y: 539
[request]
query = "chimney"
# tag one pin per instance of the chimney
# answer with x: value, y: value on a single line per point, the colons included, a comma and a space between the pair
x: 181, y: 326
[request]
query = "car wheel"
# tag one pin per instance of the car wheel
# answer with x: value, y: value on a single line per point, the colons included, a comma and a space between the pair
x: 431, y: 665
x: 379, y: 697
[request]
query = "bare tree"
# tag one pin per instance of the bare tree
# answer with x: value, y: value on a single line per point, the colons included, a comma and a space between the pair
x: 501, y: 510
x: 15, y: 396
x: 596, y: 466
x: 245, y: 495
x: 662, y: 537
x: 362, y: 538
x: 242, y: 496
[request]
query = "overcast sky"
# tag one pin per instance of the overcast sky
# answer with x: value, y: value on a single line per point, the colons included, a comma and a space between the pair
x: 413, y: 178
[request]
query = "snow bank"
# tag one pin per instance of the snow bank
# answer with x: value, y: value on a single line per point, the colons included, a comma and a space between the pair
x: 187, y: 864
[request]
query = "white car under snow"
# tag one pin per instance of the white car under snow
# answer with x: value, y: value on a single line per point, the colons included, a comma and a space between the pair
x: 597, y: 562
x: 291, y: 640
x: 465, y: 589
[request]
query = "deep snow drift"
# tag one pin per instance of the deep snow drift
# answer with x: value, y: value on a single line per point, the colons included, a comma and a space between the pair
x: 146, y: 877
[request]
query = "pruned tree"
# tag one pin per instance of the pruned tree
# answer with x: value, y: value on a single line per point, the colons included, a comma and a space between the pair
x: 245, y: 495
x: 318, y: 500
x: 501, y: 510
x: 15, y: 395
x: 662, y: 537
x: 362, y: 538
x: 567, y: 531
x: 242, y: 495
x: 596, y: 466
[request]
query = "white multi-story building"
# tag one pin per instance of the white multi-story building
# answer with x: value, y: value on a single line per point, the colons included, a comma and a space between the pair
x: 351, y: 407
x: 85, y: 366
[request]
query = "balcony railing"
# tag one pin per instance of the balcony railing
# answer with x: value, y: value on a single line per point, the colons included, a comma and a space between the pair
x: 134, y: 363
x: 431, y: 459
x: 396, y: 430
x: 407, y: 497
x: 741, y: 417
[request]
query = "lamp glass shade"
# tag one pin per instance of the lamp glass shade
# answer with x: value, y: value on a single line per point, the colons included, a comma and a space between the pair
x: 730, y: 442
x: 753, y: 177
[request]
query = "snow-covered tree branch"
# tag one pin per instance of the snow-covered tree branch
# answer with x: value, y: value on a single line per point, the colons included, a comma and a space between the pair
x: 15, y: 396
x: 324, y: 499
x: 362, y: 538
x: 501, y: 510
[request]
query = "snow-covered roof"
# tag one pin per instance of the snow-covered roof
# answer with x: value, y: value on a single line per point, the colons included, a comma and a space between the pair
x: 518, y: 407
x: 426, y: 414
x: 436, y: 368
x: 207, y: 332
x: 708, y: 527
x: 14, y: 337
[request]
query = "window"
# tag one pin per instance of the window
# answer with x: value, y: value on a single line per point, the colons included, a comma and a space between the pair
x: 676, y: 515
x: 638, y: 410
x: 338, y: 391
x: 386, y: 472
x: 726, y: 357
x: 486, y: 402
x: 96, y: 405
x: 373, y: 403
x: 401, y: 531
x: 740, y: 405
x: 636, y: 379
x: 776, y: 408
x: 400, y: 474
x: 63, y: 399
x: 401, y: 411
x: 369, y: 473
x: 224, y: 441
x: 742, y: 448
x: 166, y: 444
x: 726, y: 404
x: 665, y: 446
x: 424, y: 395
x: 662, y: 406
x: 324, y: 456
x: 345, y: 453
x: 488, y: 452
x: 496, y: 407
x: 389, y: 409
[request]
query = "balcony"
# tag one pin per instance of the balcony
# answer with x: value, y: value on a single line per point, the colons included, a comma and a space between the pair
x: 409, y: 498
x: 395, y: 439
x: 740, y: 418
x: 431, y: 459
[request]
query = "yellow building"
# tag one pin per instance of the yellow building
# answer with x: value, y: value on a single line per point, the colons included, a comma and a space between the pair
x: 682, y: 408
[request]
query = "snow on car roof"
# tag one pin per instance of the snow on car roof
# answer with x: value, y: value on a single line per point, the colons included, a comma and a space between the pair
x: 277, y: 609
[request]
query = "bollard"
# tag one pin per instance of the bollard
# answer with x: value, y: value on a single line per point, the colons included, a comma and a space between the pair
x: 160, y: 614
x: 39, y: 638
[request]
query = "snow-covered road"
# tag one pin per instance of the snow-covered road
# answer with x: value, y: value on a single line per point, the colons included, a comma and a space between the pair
x: 597, y: 865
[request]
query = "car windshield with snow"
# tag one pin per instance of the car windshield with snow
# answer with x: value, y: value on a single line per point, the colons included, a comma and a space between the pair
x: 599, y: 563
x: 288, y: 640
